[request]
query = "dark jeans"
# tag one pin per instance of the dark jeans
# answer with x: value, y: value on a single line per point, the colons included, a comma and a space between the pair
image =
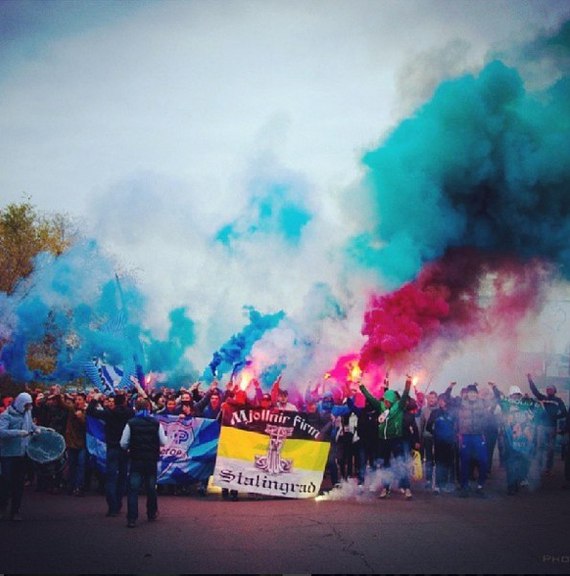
x: 332, y: 464
x: 347, y: 455
x: 77, y: 458
x: 142, y: 474
x: 547, y: 446
x: 428, y: 458
x: 491, y: 440
x: 517, y: 466
x: 12, y: 482
x: 115, y: 478
x: 367, y: 454
x: 395, y: 456
x: 444, y: 463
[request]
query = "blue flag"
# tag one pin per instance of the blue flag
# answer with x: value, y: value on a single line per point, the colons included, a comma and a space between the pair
x: 95, y: 440
x: 190, y: 454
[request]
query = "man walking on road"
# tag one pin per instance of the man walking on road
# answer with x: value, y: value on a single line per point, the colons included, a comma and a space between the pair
x: 142, y: 437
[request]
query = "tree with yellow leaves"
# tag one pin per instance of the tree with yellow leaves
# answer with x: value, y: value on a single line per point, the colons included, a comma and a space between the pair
x: 23, y: 234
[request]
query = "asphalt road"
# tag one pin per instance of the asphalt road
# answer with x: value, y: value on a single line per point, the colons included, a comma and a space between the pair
x: 524, y: 534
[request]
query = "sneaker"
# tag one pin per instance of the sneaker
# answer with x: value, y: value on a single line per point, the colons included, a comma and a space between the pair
x: 383, y: 493
x: 16, y: 517
x: 436, y: 491
x: 234, y: 496
x: 463, y: 492
x: 480, y: 492
x: 523, y: 483
x: 202, y: 491
x: 407, y: 494
x: 78, y: 492
x: 131, y: 523
x: 153, y: 517
x: 111, y: 514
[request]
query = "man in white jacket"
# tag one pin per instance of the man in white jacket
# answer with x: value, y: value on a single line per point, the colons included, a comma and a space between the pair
x: 16, y: 427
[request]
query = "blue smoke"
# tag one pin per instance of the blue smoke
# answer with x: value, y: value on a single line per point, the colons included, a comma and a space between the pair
x: 273, y: 211
x: 236, y: 351
x: 484, y: 164
x: 168, y: 355
x: 77, y: 304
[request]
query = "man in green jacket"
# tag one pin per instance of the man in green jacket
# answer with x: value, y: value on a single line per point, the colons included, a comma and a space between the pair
x: 390, y: 431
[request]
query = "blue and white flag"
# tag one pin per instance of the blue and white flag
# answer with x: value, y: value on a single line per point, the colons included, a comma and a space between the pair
x: 95, y: 375
x: 190, y: 454
x: 109, y: 378
x: 95, y: 440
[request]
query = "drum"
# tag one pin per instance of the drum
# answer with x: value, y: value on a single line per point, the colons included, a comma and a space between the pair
x: 47, y: 451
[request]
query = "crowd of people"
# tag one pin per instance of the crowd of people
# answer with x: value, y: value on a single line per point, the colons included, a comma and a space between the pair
x: 372, y: 436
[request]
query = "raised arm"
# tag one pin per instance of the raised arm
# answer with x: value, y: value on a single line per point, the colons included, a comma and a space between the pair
x: 142, y: 393
x: 534, y: 389
x: 496, y: 392
x: 372, y: 399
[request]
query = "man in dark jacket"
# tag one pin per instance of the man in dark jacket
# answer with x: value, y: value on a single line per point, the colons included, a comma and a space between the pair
x: 442, y: 425
x: 115, y: 417
x: 367, y: 430
x: 142, y: 437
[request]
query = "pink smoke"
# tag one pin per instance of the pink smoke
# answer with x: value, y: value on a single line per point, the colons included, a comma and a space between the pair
x: 466, y: 292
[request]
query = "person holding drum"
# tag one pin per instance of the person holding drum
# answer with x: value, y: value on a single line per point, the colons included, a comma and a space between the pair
x: 16, y: 428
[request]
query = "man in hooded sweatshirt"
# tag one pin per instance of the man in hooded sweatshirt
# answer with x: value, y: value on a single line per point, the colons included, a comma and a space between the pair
x: 16, y: 428
x: 390, y: 431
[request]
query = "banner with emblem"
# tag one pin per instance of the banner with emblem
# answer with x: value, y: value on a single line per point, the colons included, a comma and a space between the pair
x: 272, y: 453
x: 190, y: 453
x: 520, y: 419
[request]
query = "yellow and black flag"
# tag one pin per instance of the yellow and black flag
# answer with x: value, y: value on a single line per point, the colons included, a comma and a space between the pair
x: 273, y: 453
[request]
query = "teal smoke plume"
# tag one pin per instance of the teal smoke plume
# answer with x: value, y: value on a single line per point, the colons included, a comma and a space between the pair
x: 475, y: 184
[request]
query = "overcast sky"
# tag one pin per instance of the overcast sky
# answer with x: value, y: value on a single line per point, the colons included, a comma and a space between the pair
x: 157, y: 125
